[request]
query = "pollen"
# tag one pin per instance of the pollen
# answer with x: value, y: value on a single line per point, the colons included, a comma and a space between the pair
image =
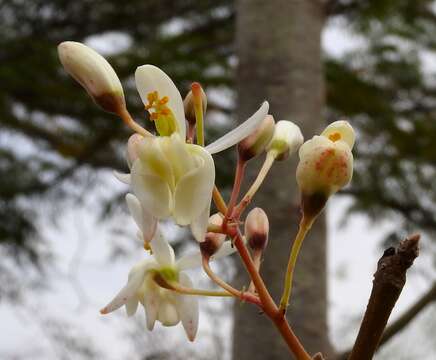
x: 335, y: 137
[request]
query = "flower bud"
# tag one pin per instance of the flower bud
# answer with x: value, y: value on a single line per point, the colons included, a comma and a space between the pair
x: 255, y: 143
x: 326, y: 165
x: 189, y: 105
x: 133, y: 148
x: 257, y: 229
x: 286, y: 140
x: 94, y: 73
x: 213, y: 241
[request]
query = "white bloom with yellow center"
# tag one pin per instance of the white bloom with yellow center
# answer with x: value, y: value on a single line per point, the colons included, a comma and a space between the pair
x: 326, y: 161
x: 166, y: 306
x: 170, y: 177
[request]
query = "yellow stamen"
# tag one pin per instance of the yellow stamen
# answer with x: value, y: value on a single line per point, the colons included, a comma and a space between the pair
x: 335, y: 136
x: 161, y: 114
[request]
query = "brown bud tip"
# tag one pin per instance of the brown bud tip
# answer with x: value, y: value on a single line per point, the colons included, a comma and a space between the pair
x: 312, y: 205
x: 255, y: 143
x: 212, y: 241
x: 189, y: 102
x: 257, y: 229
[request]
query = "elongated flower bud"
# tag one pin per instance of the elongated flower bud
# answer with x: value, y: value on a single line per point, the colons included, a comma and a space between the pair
x: 326, y: 165
x: 256, y: 142
x: 189, y: 106
x: 286, y: 140
x: 94, y: 73
x: 213, y: 241
x: 257, y: 229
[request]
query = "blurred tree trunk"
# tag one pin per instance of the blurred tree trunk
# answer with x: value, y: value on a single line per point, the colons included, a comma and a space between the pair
x: 279, y: 51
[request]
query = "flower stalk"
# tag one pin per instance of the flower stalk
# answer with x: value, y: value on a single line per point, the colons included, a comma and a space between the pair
x: 304, y: 227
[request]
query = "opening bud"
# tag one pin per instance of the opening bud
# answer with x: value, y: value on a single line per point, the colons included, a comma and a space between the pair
x: 256, y: 142
x: 213, y: 241
x: 286, y: 140
x: 189, y: 104
x: 257, y: 229
x: 94, y: 73
x: 326, y: 165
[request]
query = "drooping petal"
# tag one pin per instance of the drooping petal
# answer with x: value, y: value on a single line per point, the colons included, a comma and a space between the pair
x: 153, y: 193
x: 199, y: 225
x: 194, y: 190
x: 150, y: 78
x: 241, y: 132
x: 193, y: 260
x: 167, y: 313
x: 124, y: 178
x: 136, y: 278
x: 162, y: 250
x: 187, y: 306
x: 132, y: 306
x: 146, y: 222
x: 151, y: 306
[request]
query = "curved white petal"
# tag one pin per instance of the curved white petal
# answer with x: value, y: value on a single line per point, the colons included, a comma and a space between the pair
x: 146, y: 222
x: 199, y: 225
x: 151, y: 306
x: 153, y: 193
x: 124, y: 178
x: 132, y: 306
x: 187, y: 306
x: 136, y: 278
x: 240, y: 132
x: 162, y: 250
x: 194, y: 190
x: 193, y: 260
x: 343, y: 128
x: 177, y: 154
x: 150, y: 78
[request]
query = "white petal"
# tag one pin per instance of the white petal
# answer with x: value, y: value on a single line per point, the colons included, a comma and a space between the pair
x: 145, y: 221
x: 187, y: 306
x: 167, y: 313
x: 193, y: 260
x: 342, y: 127
x: 136, y: 278
x: 151, y: 306
x: 241, y: 132
x: 150, y: 78
x: 153, y: 193
x: 124, y: 178
x: 162, y: 250
x: 131, y: 306
x: 199, y: 225
x: 194, y: 190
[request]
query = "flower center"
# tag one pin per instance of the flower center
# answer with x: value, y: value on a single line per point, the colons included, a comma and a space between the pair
x: 335, y: 137
x: 161, y: 114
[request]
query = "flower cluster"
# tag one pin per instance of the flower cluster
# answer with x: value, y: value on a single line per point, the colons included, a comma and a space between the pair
x: 172, y: 177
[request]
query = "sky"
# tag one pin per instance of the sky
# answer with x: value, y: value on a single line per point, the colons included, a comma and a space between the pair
x: 83, y: 279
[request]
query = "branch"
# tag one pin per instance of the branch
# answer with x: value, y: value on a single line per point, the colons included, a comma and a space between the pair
x: 388, y: 283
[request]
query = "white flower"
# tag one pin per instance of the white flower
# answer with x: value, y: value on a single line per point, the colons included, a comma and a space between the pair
x: 287, y: 138
x: 94, y: 73
x: 326, y: 161
x: 170, y: 177
x: 166, y: 306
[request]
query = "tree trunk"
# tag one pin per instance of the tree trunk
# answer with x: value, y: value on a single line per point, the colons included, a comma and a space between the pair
x: 279, y: 51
